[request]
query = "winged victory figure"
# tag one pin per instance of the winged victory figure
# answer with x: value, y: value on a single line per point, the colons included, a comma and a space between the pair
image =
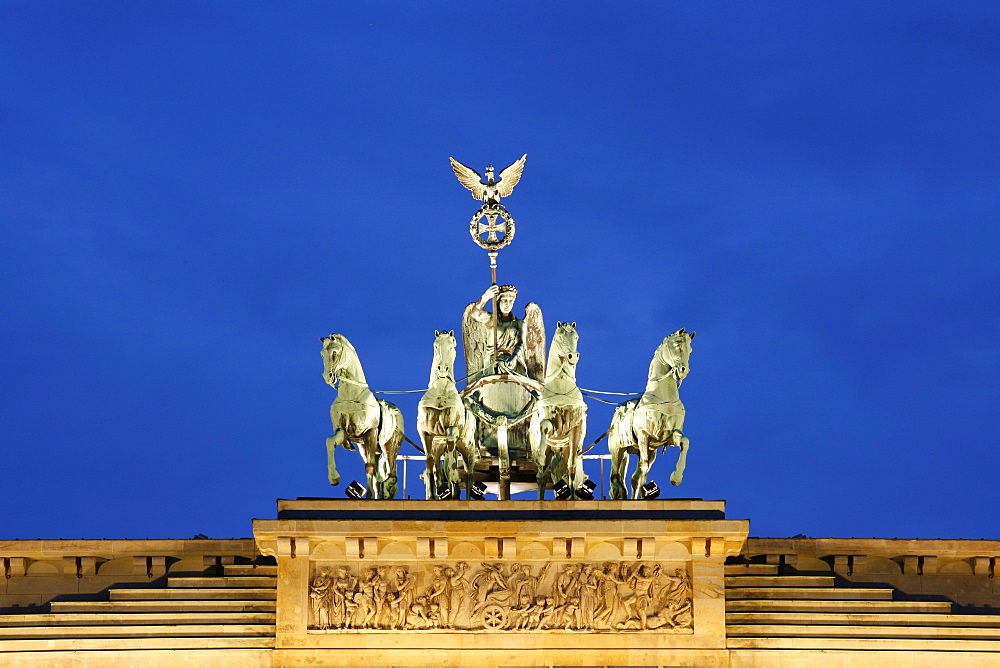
x: 491, y: 191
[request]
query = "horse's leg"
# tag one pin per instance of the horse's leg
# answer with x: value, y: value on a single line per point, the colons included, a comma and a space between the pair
x: 470, y: 468
x: 639, y: 477
x: 391, y: 485
x: 450, y: 473
x: 369, y: 446
x: 543, y: 456
x: 682, y: 441
x: 467, y: 444
x: 331, y: 464
x: 429, y: 475
x: 573, y: 464
x: 619, y: 466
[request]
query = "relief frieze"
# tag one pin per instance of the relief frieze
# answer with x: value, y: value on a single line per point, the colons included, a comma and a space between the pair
x: 491, y: 596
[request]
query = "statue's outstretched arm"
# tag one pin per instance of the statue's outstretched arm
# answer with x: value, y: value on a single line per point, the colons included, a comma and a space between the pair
x: 478, y: 311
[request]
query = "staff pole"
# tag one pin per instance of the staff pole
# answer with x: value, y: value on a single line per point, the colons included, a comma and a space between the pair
x: 493, y: 277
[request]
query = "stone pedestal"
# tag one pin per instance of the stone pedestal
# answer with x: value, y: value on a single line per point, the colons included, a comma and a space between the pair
x: 500, y: 583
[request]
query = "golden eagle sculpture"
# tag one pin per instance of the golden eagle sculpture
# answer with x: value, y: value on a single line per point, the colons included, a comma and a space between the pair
x: 491, y: 191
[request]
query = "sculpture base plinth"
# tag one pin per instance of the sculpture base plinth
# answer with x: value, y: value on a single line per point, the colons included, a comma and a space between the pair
x: 500, y: 583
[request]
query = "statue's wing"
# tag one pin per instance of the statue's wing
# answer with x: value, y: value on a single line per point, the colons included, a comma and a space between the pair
x: 508, y: 177
x: 534, y: 344
x: 471, y: 179
x: 474, y: 339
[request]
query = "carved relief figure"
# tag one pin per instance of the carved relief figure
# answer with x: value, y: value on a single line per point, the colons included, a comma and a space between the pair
x: 344, y: 601
x: 618, y: 597
x: 439, y: 593
x: 320, y: 598
x: 589, y: 584
x: 491, y: 587
x: 676, y: 608
x: 460, y: 589
x: 403, y: 598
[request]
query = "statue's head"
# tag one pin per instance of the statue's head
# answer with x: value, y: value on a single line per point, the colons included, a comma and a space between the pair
x: 675, y: 351
x: 565, y: 340
x: 505, y: 299
x: 335, y: 347
x: 489, y: 172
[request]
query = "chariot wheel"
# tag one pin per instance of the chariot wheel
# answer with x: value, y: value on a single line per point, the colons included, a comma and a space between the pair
x: 494, y: 617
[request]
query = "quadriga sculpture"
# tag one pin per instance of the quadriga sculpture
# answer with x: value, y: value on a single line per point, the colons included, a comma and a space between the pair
x: 655, y: 419
x: 446, y: 426
x: 359, y: 418
x: 559, y: 423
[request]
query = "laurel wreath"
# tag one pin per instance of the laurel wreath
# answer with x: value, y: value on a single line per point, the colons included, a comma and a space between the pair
x: 492, y: 213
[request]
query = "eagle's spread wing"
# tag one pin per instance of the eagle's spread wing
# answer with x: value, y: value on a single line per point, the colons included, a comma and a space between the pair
x: 471, y: 179
x: 508, y: 177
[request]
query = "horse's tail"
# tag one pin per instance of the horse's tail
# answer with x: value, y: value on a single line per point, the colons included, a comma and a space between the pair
x: 390, y: 436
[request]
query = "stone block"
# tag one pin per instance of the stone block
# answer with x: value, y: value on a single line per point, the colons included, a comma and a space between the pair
x: 841, y: 564
x: 440, y: 550
x: 423, y: 547
x: 699, y: 547
x: 18, y: 566
x: 631, y: 548
x: 369, y: 548
x: 715, y: 546
x: 157, y: 566
x: 859, y: 564
x: 508, y: 547
x: 88, y: 566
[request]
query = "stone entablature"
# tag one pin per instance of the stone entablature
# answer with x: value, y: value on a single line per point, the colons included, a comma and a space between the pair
x: 621, y: 579
x: 524, y: 548
x: 963, y: 571
x: 33, y: 572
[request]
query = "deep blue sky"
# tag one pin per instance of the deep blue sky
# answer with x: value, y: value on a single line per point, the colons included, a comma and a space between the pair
x: 192, y: 194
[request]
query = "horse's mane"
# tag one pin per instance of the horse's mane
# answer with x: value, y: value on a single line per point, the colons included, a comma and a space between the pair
x: 436, y: 359
x: 670, y: 354
x: 354, y: 363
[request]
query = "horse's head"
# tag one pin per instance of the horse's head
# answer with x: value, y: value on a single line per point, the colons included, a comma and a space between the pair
x: 336, y: 353
x: 564, y: 343
x: 444, y: 355
x: 675, y: 352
